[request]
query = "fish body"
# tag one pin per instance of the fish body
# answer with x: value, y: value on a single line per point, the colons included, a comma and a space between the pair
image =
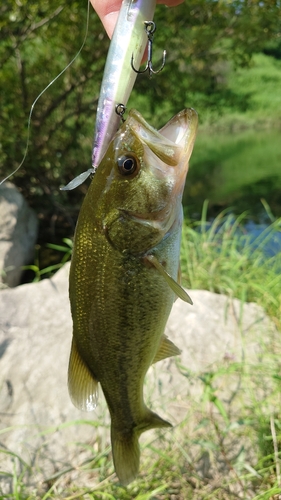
x: 129, y: 39
x: 123, y: 276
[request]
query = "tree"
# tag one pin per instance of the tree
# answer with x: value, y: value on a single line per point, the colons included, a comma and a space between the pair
x: 38, y: 40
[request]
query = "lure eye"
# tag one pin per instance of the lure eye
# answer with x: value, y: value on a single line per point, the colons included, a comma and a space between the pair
x: 128, y: 164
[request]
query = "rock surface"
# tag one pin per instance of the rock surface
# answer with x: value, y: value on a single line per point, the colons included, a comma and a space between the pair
x: 18, y: 234
x: 35, y: 336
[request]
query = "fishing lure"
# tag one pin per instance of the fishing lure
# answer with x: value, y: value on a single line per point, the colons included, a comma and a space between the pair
x: 134, y: 29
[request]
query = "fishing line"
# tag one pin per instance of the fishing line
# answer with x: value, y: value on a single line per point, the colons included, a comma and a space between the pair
x: 41, y: 93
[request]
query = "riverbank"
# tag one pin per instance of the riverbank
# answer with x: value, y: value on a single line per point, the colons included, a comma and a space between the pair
x: 222, y: 393
x: 235, y: 170
x: 224, y: 257
x: 237, y: 155
x: 240, y: 122
x: 251, y: 99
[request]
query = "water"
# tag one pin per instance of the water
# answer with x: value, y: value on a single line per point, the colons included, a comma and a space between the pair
x: 238, y: 171
x: 272, y: 244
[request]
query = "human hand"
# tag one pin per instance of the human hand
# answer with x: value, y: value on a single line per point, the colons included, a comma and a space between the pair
x: 108, y: 11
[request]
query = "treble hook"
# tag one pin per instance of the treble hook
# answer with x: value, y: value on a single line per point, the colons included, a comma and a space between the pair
x: 150, y: 28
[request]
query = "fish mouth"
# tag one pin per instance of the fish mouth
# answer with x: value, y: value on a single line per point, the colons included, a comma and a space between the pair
x: 166, y: 152
x: 171, y: 143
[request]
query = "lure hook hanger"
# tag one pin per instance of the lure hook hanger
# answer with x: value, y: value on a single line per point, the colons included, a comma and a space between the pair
x: 150, y: 28
x: 120, y: 110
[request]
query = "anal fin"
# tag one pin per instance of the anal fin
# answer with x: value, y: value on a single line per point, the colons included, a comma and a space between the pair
x: 179, y: 274
x: 82, y: 386
x: 166, y: 349
x: 178, y: 279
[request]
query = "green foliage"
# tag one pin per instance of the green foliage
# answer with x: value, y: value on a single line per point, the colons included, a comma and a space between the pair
x: 237, y: 169
x: 222, y: 258
x: 207, y: 41
x: 38, y: 41
x: 259, y: 82
x: 228, y: 445
x: 48, y: 271
x: 226, y: 453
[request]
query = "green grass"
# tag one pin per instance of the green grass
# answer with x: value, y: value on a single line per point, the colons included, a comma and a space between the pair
x: 46, y: 272
x: 227, y: 447
x: 213, y: 454
x: 221, y: 258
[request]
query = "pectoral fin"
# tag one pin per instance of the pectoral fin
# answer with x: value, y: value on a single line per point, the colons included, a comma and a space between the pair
x: 178, y: 279
x: 166, y: 349
x: 177, y: 289
x: 179, y: 274
x: 82, y: 387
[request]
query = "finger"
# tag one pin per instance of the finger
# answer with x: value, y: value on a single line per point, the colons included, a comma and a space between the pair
x: 108, y: 13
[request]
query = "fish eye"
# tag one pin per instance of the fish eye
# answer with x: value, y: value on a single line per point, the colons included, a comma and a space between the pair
x: 128, y: 164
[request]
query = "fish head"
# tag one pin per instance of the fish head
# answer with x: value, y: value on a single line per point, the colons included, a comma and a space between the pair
x: 142, y: 177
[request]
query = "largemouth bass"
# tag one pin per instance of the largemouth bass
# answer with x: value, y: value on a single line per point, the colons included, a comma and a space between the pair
x: 123, y: 276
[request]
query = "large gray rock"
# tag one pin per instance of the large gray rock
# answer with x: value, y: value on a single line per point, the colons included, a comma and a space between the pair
x: 35, y: 336
x: 18, y: 234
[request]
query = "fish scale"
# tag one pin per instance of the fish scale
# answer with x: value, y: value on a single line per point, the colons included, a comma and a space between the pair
x: 123, y: 276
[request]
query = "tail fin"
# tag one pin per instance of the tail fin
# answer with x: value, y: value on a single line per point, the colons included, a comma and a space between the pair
x: 126, y: 455
x: 126, y: 450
